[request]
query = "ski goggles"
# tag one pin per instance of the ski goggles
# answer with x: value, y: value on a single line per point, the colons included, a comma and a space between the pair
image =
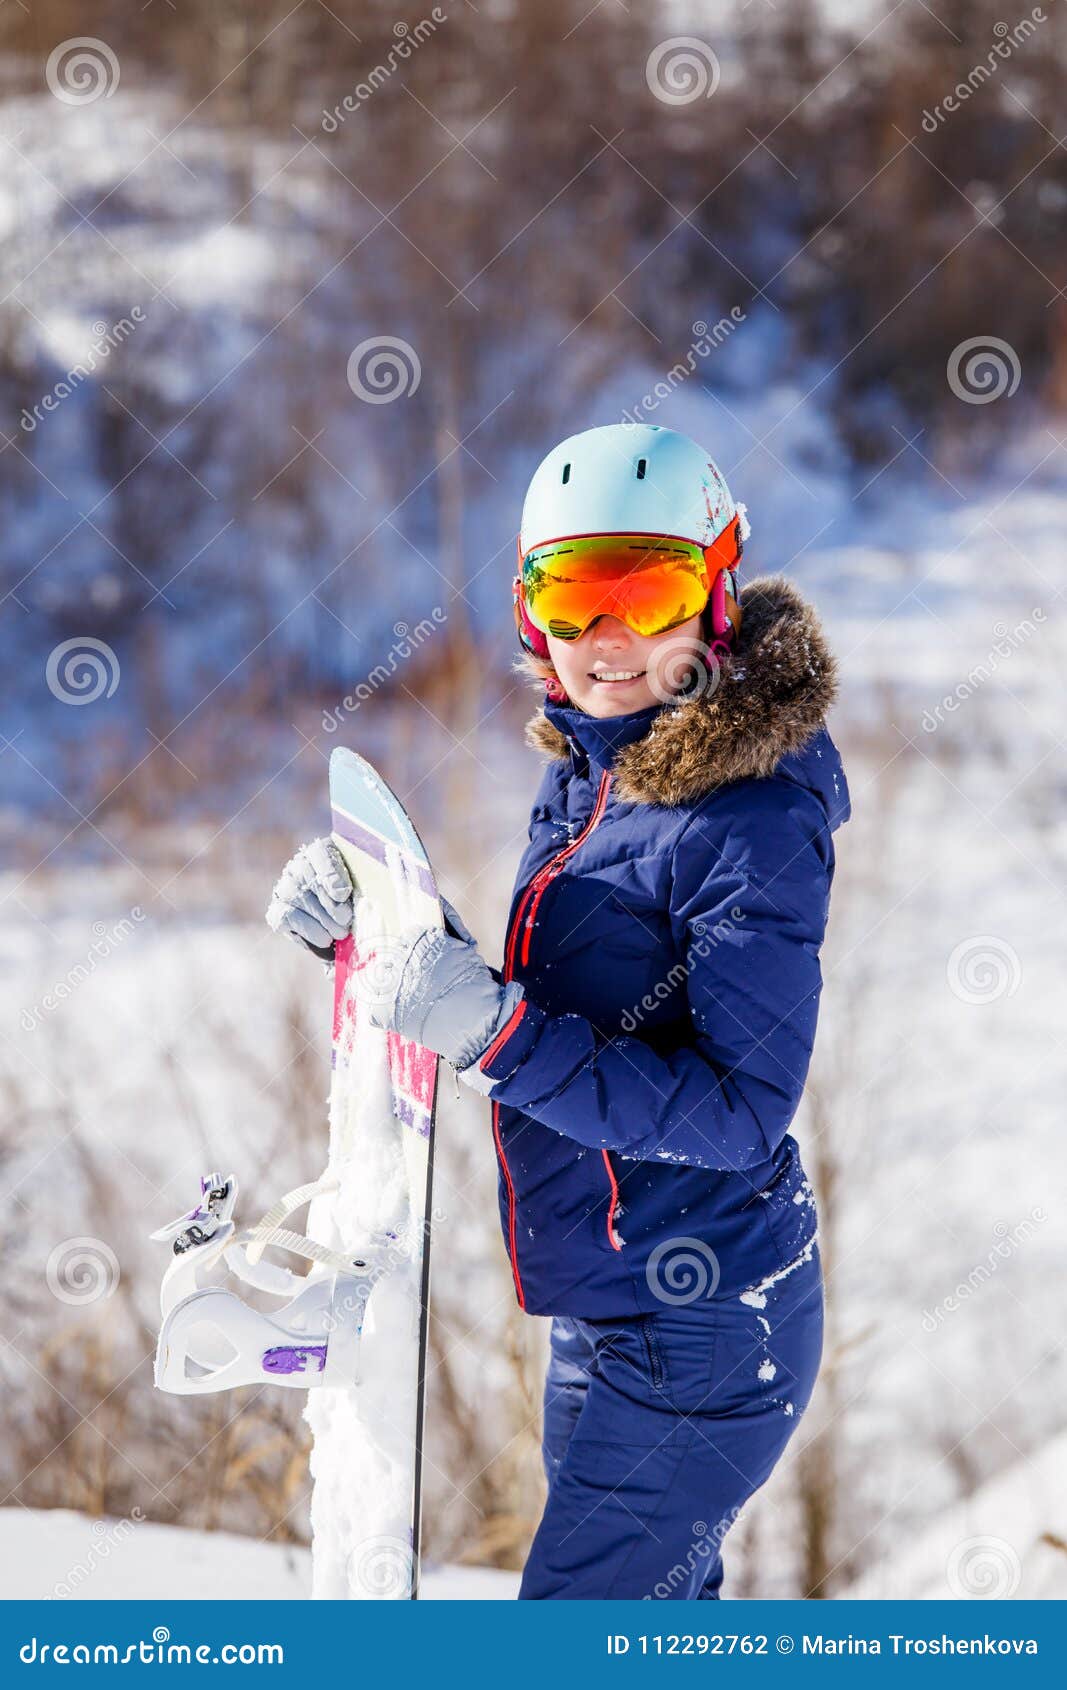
x: 651, y: 582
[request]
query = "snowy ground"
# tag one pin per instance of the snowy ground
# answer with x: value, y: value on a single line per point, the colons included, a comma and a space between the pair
x: 1009, y: 1539
x: 62, y: 1555
x: 58, y: 1554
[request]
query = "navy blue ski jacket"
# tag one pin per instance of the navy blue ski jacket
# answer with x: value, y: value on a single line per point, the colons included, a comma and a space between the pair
x: 665, y: 924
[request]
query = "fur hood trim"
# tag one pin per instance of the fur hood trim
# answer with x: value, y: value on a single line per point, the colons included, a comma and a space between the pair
x: 769, y: 698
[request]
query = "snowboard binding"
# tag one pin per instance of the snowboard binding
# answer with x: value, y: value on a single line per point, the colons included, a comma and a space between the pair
x: 211, y: 1339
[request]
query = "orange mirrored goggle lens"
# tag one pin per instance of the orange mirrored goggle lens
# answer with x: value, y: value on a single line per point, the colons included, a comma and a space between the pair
x: 651, y: 584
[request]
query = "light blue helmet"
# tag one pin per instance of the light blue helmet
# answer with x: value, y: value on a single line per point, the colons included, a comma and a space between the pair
x: 640, y: 479
x: 628, y: 478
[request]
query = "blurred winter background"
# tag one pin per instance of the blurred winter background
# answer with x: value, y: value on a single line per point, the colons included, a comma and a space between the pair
x: 294, y: 298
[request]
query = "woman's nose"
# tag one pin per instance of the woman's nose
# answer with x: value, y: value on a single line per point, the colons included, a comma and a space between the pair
x: 609, y: 631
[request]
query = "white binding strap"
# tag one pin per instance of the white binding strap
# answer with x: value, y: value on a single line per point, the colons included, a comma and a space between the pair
x: 255, y: 1239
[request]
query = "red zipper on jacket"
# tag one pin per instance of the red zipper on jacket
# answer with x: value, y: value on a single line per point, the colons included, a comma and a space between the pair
x: 541, y: 879
x: 527, y: 907
x: 613, y: 1205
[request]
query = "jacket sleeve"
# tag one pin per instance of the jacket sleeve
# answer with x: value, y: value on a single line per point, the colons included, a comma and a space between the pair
x: 749, y: 900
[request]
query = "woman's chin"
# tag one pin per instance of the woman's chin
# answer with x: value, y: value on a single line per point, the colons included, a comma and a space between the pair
x: 615, y: 698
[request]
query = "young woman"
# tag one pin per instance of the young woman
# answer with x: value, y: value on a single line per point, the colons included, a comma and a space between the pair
x: 646, y: 1043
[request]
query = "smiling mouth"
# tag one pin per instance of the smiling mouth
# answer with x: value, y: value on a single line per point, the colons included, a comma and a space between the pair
x: 617, y: 677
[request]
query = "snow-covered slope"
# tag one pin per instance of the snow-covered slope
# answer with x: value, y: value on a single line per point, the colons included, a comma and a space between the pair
x: 63, y: 1555
x: 1008, y: 1539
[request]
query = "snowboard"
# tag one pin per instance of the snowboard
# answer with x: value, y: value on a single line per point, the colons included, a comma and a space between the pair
x: 366, y: 1460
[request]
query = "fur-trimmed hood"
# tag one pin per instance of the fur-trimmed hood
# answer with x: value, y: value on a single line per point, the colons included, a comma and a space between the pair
x: 770, y: 699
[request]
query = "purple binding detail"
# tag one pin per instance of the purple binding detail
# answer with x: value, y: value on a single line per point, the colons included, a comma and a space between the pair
x: 293, y: 1358
x: 202, y: 1211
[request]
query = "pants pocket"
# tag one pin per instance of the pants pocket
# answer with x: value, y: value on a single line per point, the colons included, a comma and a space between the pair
x: 634, y: 1343
x: 657, y: 1370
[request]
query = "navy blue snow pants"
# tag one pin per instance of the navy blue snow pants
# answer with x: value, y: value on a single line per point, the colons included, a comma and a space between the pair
x: 659, y: 1427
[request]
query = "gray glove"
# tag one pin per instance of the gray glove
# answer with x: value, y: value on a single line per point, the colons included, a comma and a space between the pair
x: 314, y: 900
x: 440, y: 992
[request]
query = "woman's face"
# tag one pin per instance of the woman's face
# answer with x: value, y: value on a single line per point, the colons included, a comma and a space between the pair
x: 657, y: 663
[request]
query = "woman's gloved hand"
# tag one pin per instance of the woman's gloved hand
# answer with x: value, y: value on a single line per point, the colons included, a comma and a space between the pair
x: 314, y: 900
x: 438, y: 990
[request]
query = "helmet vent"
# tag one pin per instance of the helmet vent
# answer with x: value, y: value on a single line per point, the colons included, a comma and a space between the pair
x: 641, y: 462
x: 566, y: 474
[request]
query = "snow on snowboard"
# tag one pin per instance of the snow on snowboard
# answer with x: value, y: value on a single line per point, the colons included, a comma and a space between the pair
x: 356, y: 1321
x: 367, y: 1456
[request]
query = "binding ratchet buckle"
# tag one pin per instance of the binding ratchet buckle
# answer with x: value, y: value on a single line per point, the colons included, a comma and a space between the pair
x: 211, y: 1339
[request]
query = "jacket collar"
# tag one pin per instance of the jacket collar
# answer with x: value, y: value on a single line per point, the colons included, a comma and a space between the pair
x: 770, y: 697
x: 598, y: 739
